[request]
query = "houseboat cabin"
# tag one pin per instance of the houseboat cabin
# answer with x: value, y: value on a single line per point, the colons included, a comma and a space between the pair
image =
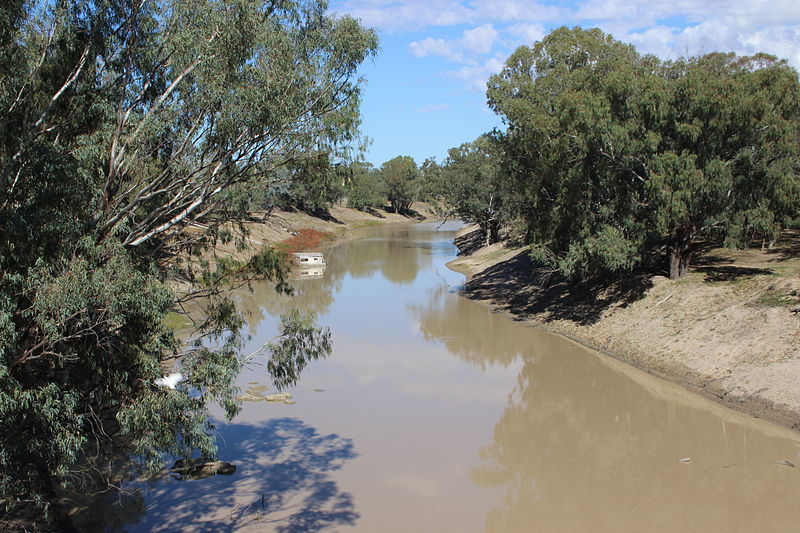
x: 308, y: 258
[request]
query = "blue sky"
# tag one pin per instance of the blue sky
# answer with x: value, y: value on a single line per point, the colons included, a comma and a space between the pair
x: 425, y: 89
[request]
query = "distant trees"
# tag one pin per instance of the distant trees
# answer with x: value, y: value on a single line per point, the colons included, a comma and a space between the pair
x: 401, y: 178
x: 611, y: 156
x: 315, y: 184
x: 365, y: 190
x: 431, y: 188
x: 131, y: 135
x: 398, y: 182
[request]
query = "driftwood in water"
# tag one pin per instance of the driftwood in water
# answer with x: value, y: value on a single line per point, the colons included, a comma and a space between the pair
x: 201, y: 469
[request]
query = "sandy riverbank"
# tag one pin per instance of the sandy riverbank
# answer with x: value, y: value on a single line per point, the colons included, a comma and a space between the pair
x: 279, y: 228
x: 339, y: 224
x: 727, y: 330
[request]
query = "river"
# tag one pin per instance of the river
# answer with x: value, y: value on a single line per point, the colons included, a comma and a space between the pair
x: 435, y: 415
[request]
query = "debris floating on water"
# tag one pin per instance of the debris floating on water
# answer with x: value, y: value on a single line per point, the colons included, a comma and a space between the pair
x: 249, y: 397
x: 255, y: 394
x: 279, y: 397
x: 186, y: 469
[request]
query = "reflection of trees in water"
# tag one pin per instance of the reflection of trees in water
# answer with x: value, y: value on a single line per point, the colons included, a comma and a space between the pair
x: 96, y: 506
x: 581, y: 447
x: 584, y: 447
x: 469, y: 331
x: 401, y: 262
x: 545, y: 426
x: 394, y: 254
x: 313, y: 295
x: 282, y: 479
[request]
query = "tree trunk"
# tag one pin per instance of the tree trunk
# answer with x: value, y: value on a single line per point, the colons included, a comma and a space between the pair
x: 680, y: 254
x: 492, y: 231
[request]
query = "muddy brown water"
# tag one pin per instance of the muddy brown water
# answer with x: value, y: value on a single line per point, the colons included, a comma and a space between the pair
x: 435, y: 415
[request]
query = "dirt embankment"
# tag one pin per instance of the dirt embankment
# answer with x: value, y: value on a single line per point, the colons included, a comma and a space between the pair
x: 290, y: 231
x: 338, y: 224
x: 729, y: 329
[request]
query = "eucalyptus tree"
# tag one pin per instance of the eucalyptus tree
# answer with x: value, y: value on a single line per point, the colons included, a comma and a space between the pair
x: 727, y: 167
x: 580, y: 108
x: 471, y: 179
x: 129, y: 132
x: 316, y: 183
x: 365, y: 190
x: 401, y: 178
x: 613, y: 156
x: 431, y: 187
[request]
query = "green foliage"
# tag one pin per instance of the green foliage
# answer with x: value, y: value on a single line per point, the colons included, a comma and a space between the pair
x: 122, y: 124
x: 728, y: 162
x: 470, y: 178
x: 365, y: 189
x: 299, y: 342
x: 93, y: 342
x: 400, y: 176
x: 316, y: 184
x: 612, y: 156
x: 431, y: 186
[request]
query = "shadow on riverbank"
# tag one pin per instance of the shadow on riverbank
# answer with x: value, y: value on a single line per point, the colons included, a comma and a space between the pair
x: 282, y: 480
x: 519, y: 287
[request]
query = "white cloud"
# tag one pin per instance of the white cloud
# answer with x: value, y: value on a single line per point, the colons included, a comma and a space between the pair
x: 782, y: 41
x: 476, y: 76
x: 647, y: 13
x: 728, y: 34
x: 675, y: 28
x: 394, y: 16
x: 527, y: 33
x: 667, y: 28
x: 432, y: 47
x: 472, y: 42
x: 404, y: 15
x: 518, y: 10
x: 480, y: 39
x: 657, y: 40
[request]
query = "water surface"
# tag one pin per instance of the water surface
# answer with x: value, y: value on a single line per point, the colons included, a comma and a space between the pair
x: 435, y: 415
